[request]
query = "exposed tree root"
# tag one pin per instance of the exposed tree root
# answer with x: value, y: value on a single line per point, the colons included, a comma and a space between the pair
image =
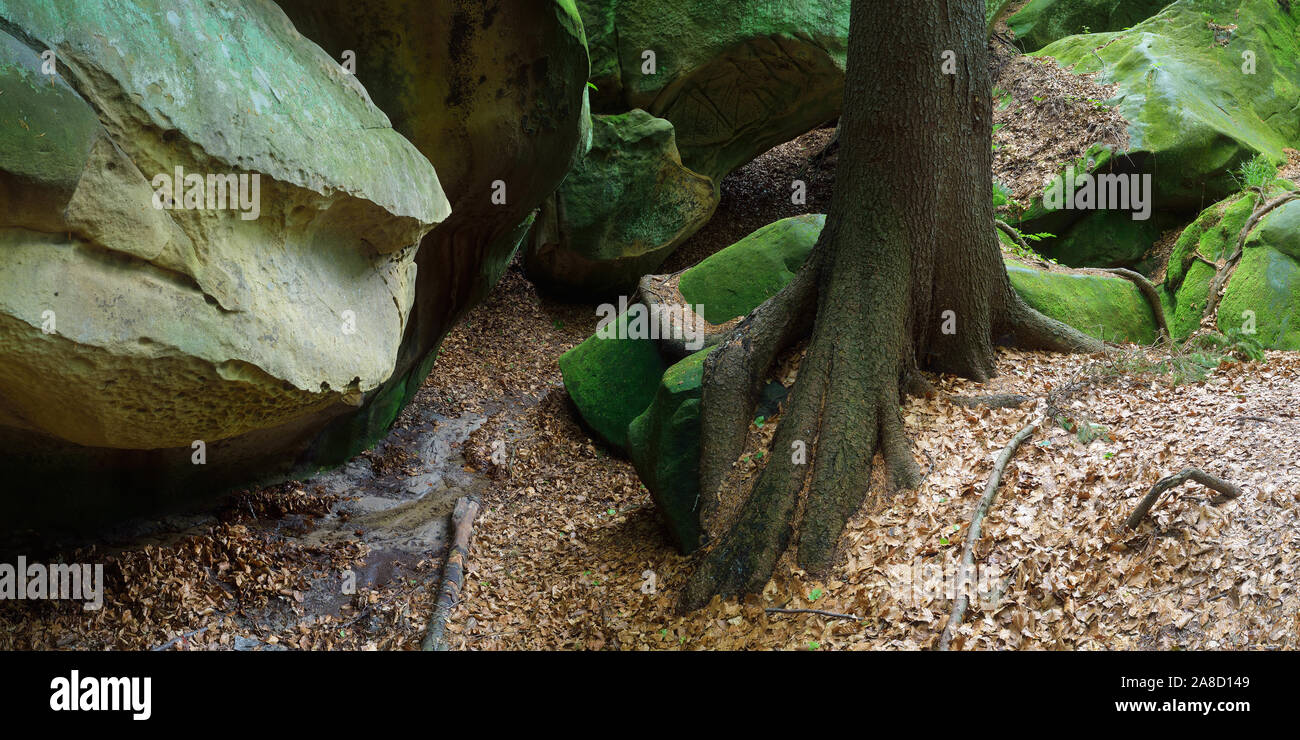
x: 962, y: 602
x: 994, y: 401
x: 1228, y: 490
x: 745, y: 557
x: 820, y: 612
x: 453, y: 575
x: 736, y: 371
x: 1148, y: 291
x: 1028, y: 329
x: 841, y: 418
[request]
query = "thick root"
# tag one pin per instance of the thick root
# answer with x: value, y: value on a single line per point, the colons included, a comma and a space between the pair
x: 734, y: 375
x: 745, y: 557
x: 1026, y: 328
x: 1149, y: 292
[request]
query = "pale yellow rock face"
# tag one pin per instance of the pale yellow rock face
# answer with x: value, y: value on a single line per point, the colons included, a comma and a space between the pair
x: 130, y: 327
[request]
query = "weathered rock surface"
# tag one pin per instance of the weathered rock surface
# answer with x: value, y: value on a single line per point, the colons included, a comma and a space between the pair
x: 494, y: 94
x: 127, y: 332
x: 1205, y: 85
x: 734, y: 77
x: 1262, y: 297
x: 621, y: 211
x: 1040, y: 22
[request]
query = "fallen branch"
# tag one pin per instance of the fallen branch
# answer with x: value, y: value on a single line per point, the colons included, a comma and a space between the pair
x: 994, y: 401
x: 1164, y: 484
x: 976, y: 524
x: 831, y: 615
x: 453, y: 575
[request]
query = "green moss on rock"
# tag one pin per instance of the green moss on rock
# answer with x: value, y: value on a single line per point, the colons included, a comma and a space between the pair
x: 1104, y: 306
x: 1266, y: 284
x: 1109, y: 238
x: 1040, y: 22
x: 738, y: 279
x: 664, y: 444
x: 621, y: 211
x: 612, y: 380
x: 1193, y: 114
x: 736, y: 77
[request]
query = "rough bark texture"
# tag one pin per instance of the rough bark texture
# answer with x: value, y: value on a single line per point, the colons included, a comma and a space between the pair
x: 908, y: 239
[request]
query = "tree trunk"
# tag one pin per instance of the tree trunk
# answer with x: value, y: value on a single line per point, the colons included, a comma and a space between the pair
x: 907, y: 275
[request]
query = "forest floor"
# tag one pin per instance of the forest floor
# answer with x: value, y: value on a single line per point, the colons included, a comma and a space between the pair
x: 570, y: 553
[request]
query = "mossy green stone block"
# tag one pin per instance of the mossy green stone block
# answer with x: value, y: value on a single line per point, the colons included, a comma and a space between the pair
x: 611, y: 381
x: 664, y: 444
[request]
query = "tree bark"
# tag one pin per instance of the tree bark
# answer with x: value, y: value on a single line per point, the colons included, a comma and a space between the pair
x: 907, y: 274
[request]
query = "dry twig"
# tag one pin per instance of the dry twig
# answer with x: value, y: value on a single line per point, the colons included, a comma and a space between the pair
x: 1164, y: 484
x: 976, y: 523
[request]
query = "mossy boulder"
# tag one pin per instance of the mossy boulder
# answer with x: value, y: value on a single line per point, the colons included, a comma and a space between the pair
x: 736, y: 280
x: 1213, y: 234
x: 1195, y: 112
x: 1105, y: 306
x: 734, y: 77
x: 130, y: 332
x: 622, y: 210
x: 1262, y: 297
x: 611, y: 380
x: 1040, y: 22
x: 664, y: 444
x: 1108, y: 239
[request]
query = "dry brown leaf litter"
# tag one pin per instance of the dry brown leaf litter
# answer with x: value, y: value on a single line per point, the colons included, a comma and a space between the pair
x: 1045, y: 119
x: 570, y: 553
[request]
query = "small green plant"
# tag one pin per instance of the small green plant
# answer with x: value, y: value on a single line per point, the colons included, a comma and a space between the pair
x: 1002, y: 196
x: 1189, y: 362
x: 1083, y: 430
x: 1234, y: 344
x: 1024, y: 251
x: 1257, y: 172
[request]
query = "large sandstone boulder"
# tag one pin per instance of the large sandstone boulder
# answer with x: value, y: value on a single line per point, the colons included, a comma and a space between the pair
x: 1040, y: 22
x: 1262, y: 297
x: 644, y: 400
x: 734, y: 77
x: 621, y: 211
x: 1205, y: 85
x: 129, y: 332
x: 494, y: 94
